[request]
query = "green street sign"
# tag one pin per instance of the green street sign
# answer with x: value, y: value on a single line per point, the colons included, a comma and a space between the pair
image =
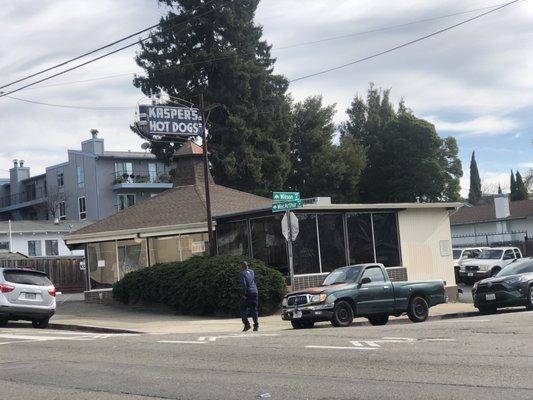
x: 287, y: 205
x: 285, y: 196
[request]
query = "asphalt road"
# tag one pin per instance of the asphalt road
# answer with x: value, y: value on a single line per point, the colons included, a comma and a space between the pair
x: 485, y: 357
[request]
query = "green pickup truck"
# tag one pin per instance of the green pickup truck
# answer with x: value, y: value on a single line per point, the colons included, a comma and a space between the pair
x: 363, y: 290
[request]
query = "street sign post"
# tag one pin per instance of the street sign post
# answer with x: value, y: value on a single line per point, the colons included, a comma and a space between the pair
x: 286, y: 201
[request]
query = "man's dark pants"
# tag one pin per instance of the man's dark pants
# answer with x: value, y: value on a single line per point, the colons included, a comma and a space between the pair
x: 250, y: 301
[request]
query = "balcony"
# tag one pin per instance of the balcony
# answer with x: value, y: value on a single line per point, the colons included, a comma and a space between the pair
x: 141, y: 180
x: 27, y: 198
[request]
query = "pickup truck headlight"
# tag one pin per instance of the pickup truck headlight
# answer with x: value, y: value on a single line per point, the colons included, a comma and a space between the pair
x: 284, y: 302
x: 319, y: 298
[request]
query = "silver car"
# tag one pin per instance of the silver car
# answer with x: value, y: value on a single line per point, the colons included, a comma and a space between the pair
x: 26, y: 295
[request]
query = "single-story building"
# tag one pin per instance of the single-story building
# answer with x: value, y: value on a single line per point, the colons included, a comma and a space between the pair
x: 412, y: 240
x: 498, y: 222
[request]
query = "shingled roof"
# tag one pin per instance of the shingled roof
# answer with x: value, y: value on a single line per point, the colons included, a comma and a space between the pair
x: 486, y: 213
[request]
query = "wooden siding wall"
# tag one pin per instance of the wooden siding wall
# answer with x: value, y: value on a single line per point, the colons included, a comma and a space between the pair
x: 65, y: 273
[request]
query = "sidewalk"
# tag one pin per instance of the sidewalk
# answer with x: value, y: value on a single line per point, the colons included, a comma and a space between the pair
x: 107, y: 318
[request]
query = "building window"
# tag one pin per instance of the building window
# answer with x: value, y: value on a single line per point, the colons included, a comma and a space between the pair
x: 125, y: 201
x: 232, y: 238
x: 123, y: 169
x: 62, y: 210
x: 360, y: 238
x: 60, y: 179
x: 82, y: 208
x: 268, y: 243
x: 34, y: 248
x: 305, y: 247
x: 81, y: 176
x: 52, y: 248
x: 331, y: 236
x: 152, y: 172
x: 386, y: 239
x: 4, y: 246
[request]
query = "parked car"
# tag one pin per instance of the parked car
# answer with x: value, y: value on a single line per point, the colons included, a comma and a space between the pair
x: 512, y: 286
x: 488, y: 263
x: 26, y: 295
x: 363, y: 290
x: 463, y: 254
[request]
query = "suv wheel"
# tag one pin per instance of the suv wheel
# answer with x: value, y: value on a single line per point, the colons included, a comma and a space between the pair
x: 342, y: 314
x: 379, y: 319
x: 418, y: 309
x: 3, y: 322
x: 40, y: 323
x: 529, y: 304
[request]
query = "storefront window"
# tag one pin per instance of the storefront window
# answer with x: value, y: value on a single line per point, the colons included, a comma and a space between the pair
x: 232, y: 238
x: 360, y: 241
x: 102, y: 264
x: 195, y: 244
x: 331, y: 233
x: 164, y: 249
x: 305, y: 247
x: 131, y: 255
x: 386, y: 239
x: 268, y: 243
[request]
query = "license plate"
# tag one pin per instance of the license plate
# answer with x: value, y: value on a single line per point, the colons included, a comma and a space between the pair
x: 470, y: 274
x: 30, y: 296
x: 490, y: 296
x: 297, y: 314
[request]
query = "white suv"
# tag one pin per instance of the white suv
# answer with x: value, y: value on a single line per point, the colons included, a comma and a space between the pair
x: 26, y: 294
x: 488, y: 263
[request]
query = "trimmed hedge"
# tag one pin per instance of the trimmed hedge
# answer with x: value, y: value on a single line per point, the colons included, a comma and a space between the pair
x: 201, y: 285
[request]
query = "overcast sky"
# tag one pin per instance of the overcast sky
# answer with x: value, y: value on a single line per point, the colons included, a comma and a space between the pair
x: 474, y: 82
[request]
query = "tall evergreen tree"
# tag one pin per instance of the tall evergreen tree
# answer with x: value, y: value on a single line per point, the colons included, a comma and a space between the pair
x: 474, y: 195
x: 513, y: 186
x: 249, y: 122
x: 499, y: 189
x: 521, y: 190
x: 406, y: 158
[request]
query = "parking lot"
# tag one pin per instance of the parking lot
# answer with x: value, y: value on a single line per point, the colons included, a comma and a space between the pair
x: 479, y: 357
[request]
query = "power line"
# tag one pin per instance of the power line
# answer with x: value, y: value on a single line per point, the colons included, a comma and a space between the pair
x: 92, y: 51
x: 401, y: 45
x: 101, y: 108
x: 380, y: 29
x: 2, y: 94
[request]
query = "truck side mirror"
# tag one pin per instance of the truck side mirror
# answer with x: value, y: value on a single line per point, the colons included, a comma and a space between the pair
x: 365, y: 280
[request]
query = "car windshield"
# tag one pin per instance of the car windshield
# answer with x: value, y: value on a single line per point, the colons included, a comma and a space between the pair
x: 490, y: 255
x: 342, y: 275
x: 515, y: 268
x: 457, y: 254
x: 27, y: 278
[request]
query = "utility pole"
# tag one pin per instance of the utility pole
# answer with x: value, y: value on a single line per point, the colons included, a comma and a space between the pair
x: 206, y: 179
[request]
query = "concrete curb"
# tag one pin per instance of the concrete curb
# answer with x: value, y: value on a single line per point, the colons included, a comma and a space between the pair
x: 89, y: 328
x: 400, y: 321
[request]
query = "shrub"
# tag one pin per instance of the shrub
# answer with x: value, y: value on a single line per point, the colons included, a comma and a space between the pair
x: 201, y: 286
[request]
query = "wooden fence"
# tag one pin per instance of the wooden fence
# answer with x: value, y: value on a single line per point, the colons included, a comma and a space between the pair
x: 65, y: 272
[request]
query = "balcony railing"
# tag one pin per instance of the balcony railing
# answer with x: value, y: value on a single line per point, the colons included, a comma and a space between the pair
x: 141, y: 177
x: 23, y: 197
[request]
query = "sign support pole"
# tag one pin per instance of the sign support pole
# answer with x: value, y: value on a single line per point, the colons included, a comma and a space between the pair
x: 206, y: 179
x: 289, y: 242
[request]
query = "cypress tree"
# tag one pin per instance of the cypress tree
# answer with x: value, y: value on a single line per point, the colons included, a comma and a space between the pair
x: 513, y: 186
x: 521, y: 190
x: 499, y: 189
x: 474, y: 195
x: 249, y: 123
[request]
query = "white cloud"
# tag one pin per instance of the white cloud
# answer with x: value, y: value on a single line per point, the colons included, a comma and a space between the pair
x: 488, y: 125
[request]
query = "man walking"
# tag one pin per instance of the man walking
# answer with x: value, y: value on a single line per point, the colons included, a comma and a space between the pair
x: 249, y: 298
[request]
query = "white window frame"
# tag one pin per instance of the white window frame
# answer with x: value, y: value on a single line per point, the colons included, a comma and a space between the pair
x: 125, y: 197
x: 82, y: 213
x: 38, y: 245
x: 62, y: 210
x: 46, y: 248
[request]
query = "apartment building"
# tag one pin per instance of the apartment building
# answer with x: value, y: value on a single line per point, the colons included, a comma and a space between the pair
x: 92, y: 184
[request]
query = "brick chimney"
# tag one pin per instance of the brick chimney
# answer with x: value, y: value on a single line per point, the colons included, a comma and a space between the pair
x: 189, y: 168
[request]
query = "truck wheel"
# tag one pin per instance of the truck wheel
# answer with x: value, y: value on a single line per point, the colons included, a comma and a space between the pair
x: 306, y: 324
x: 485, y: 310
x: 379, y: 319
x: 40, y: 323
x: 342, y: 314
x: 529, y: 304
x: 3, y: 322
x: 418, y: 309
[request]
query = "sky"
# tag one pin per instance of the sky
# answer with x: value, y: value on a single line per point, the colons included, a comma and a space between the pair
x: 474, y: 82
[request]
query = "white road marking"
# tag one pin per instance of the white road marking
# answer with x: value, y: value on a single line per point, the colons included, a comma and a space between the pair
x: 181, y: 341
x: 211, y: 339
x: 375, y: 344
x: 24, y: 336
x: 341, y: 348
